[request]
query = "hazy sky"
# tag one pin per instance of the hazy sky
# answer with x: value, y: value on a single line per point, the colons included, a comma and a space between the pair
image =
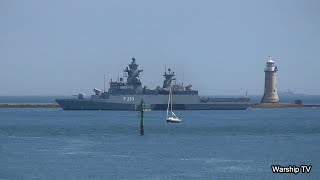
x: 52, y: 47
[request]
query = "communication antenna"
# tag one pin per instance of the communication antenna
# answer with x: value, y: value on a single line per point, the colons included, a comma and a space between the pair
x: 182, y: 77
x: 104, y: 83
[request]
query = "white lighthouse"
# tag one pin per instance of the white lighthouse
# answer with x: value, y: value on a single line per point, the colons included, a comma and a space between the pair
x: 270, y: 84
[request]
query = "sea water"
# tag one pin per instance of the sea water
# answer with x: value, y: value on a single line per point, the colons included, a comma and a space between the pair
x: 55, y: 144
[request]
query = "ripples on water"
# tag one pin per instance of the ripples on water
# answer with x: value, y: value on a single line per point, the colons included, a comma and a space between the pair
x: 56, y: 144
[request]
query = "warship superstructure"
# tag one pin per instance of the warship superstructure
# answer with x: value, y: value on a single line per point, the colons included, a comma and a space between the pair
x: 126, y: 95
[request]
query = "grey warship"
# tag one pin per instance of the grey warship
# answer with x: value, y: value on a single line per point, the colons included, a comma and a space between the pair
x: 126, y: 95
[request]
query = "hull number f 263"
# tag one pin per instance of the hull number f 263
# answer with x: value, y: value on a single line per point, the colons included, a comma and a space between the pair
x: 128, y: 98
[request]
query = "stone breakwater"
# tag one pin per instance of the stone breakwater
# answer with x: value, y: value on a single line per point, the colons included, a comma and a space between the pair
x: 281, y: 105
x: 29, y: 105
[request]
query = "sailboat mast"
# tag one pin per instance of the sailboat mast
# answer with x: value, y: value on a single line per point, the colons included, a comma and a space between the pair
x: 168, y: 104
x: 171, y: 98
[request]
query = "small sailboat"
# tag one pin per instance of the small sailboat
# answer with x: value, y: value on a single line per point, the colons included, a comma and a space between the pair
x: 173, y: 118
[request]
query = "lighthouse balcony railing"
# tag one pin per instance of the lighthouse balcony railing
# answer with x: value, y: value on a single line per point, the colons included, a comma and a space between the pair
x: 269, y: 69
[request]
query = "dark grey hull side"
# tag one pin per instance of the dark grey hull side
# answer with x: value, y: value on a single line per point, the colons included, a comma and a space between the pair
x: 76, y: 104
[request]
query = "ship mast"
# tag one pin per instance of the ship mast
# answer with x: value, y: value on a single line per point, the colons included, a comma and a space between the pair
x: 104, y: 83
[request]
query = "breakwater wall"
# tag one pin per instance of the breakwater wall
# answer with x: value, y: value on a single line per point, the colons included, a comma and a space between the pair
x: 29, y: 105
x: 281, y: 105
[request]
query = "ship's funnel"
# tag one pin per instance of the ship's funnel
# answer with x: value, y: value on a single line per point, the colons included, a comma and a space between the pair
x: 81, y: 96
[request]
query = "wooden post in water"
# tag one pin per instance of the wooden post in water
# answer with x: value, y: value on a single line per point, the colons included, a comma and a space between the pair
x: 141, y: 118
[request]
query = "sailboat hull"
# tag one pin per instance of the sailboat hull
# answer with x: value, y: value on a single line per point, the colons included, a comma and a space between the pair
x: 168, y: 121
x: 173, y: 120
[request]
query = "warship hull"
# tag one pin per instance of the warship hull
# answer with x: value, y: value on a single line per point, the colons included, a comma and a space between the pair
x: 88, y: 104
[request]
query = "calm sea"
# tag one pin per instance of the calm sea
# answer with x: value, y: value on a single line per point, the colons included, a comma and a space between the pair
x: 56, y: 144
